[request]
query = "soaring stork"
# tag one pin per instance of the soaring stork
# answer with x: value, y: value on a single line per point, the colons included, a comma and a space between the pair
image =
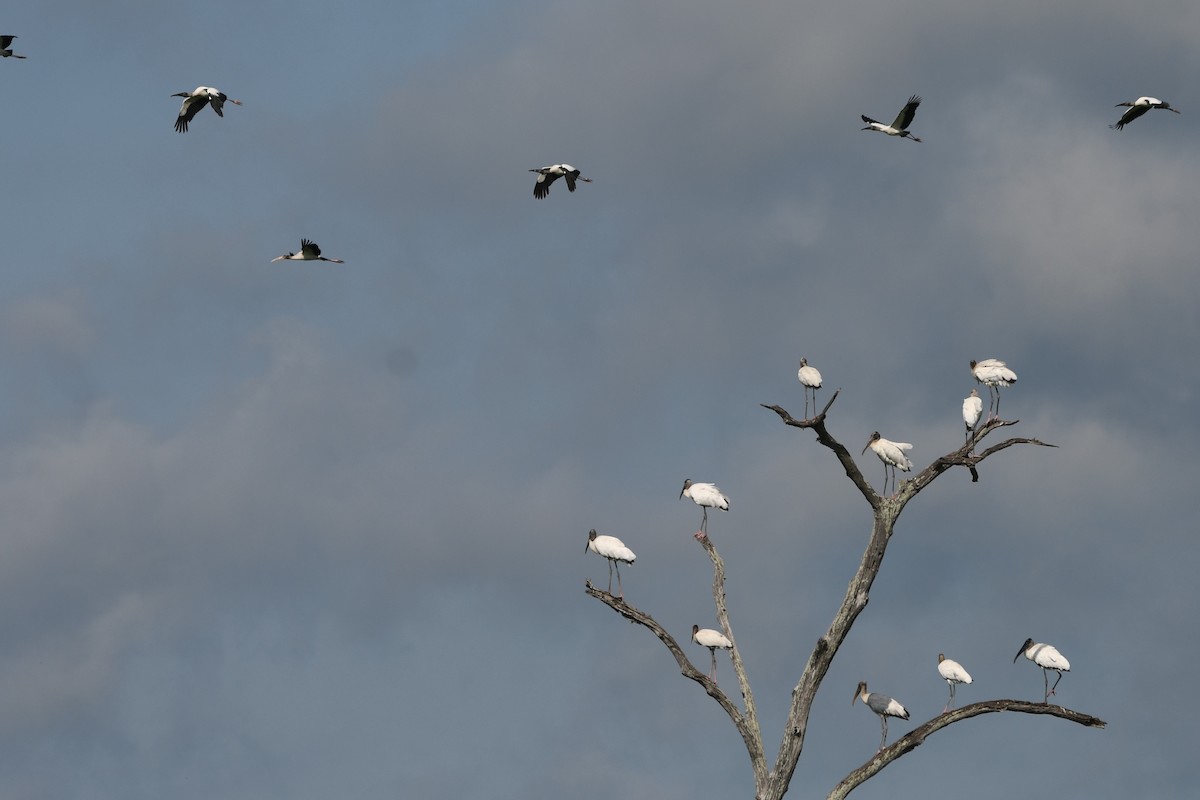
x: 882, y: 705
x: 707, y: 637
x: 197, y: 99
x: 899, y: 126
x: 1048, y: 658
x: 952, y: 672
x: 5, y: 44
x: 891, y: 454
x: 993, y: 373
x: 810, y: 379
x: 614, y: 550
x: 1139, y: 107
x: 548, y: 175
x: 308, y: 252
x: 705, y: 495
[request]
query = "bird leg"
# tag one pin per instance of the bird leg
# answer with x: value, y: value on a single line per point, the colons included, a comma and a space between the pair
x: 620, y: 590
x: 610, y: 567
x: 1055, y: 686
x: 712, y: 673
x: 1046, y: 685
x: 883, y: 727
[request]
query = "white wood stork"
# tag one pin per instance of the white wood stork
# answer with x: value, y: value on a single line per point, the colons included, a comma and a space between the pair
x: 810, y: 379
x: 1048, y: 658
x: 972, y: 411
x: 899, y: 126
x: 548, y: 175
x: 196, y: 100
x: 308, y: 252
x: 5, y: 44
x: 952, y: 672
x: 994, y: 374
x: 892, y: 456
x: 707, y: 637
x: 1139, y: 107
x: 705, y: 495
x: 882, y: 705
x: 614, y: 550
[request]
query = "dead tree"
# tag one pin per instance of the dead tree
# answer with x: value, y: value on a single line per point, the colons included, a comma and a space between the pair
x: 771, y: 781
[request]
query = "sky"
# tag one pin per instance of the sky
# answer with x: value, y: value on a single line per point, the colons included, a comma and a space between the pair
x: 304, y: 530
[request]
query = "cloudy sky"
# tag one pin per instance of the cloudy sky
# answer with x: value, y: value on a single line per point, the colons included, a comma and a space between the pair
x: 302, y: 530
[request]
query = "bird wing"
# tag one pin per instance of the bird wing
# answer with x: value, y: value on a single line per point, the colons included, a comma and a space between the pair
x: 218, y: 100
x: 1129, y: 116
x: 309, y: 248
x: 5, y: 41
x: 191, y: 106
x: 571, y: 176
x: 870, y: 121
x: 542, y: 187
x: 905, y: 117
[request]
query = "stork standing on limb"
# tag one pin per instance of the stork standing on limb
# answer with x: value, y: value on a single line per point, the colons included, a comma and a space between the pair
x: 892, y: 456
x: 952, y: 672
x: 882, y: 705
x: 899, y: 126
x: 195, y: 100
x: 994, y: 374
x: 548, y: 175
x: 972, y: 411
x: 1048, y: 658
x: 308, y: 252
x: 705, y: 495
x: 5, y: 45
x: 1139, y: 107
x: 614, y: 550
x: 707, y: 637
x: 810, y: 379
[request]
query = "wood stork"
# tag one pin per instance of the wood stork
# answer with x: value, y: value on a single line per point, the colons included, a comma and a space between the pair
x: 308, y: 252
x: 993, y: 373
x: 196, y: 100
x: 892, y: 456
x: 972, y: 411
x: 899, y: 126
x: 707, y: 637
x: 1048, y: 658
x: 882, y: 705
x: 952, y: 672
x: 5, y: 44
x: 810, y: 379
x: 614, y: 550
x: 705, y: 495
x: 548, y: 175
x: 1139, y: 107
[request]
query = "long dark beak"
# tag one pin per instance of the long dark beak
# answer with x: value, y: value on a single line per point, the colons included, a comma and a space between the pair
x: 865, y: 446
x: 1019, y: 653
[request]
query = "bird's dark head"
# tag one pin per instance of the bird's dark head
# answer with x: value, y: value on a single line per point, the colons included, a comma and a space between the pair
x: 591, y: 538
x: 874, y: 438
x: 1021, y: 652
x: 687, y: 484
x: 859, y: 692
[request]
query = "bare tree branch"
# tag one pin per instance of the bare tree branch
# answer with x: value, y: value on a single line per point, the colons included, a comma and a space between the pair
x: 916, y: 737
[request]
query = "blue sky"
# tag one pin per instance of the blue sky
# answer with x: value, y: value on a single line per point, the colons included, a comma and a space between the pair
x: 303, y: 529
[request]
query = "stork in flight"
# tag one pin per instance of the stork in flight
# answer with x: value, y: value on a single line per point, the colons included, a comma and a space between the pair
x: 548, y: 175
x: 196, y: 100
x: 899, y: 126
x: 308, y: 252
x: 5, y: 44
x: 1139, y: 107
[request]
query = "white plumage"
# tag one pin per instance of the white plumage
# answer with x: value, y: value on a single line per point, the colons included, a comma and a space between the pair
x: 1139, y: 107
x: 892, y: 456
x: 548, y: 175
x: 810, y: 379
x: 972, y: 410
x: 953, y: 673
x: 197, y: 99
x: 994, y: 374
x: 1048, y: 658
x: 713, y: 640
x: 882, y: 705
x: 613, y: 549
x: 899, y: 126
x: 705, y: 495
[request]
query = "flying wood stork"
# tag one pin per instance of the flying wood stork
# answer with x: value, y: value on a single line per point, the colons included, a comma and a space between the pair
x: 5, y: 44
x: 972, y: 411
x: 810, y: 379
x: 614, y: 550
x: 952, y: 672
x: 308, y: 252
x: 882, y: 705
x: 1048, y: 658
x: 707, y: 637
x: 1139, y: 107
x: 892, y: 456
x: 196, y: 100
x: 705, y: 495
x: 899, y: 126
x: 548, y: 175
x: 993, y: 373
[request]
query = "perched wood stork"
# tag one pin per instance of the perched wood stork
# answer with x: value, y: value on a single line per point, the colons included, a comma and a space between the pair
x: 548, y: 175
x: 1048, y: 658
x: 899, y: 126
x: 1139, y: 107
x: 952, y: 672
x: 705, y: 495
x: 882, y: 705
x: 892, y: 456
x: 196, y: 100
x: 810, y: 379
x: 707, y: 637
x: 5, y: 44
x: 308, y: 252
x: 972, y: 410
x: 994, y: 374
x: 614, y: 550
